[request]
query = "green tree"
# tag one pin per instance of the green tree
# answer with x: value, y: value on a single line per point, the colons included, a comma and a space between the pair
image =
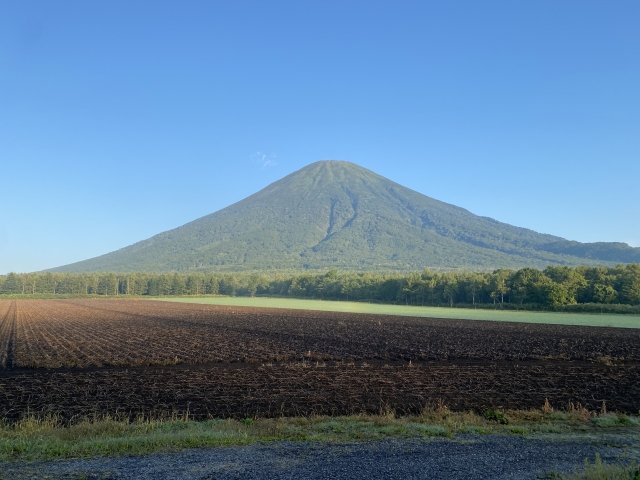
x: 500, y: 284
x: 252, y: 285
x: 570, y: 278
x: 631, y: 293
x: 451, y: 290
x: 12, y: 285
x: 412, y: 286
x: 556, y: 294
x: 476, y: 283
x: 630, y: 285
x: 329, y: 285
x: 177, y: 285
x: 107, y: 284
x: 211, y: 286
x: 431, y: 281
x: 525, y: 282
x: 604, y: 293
x: 228, y: 285
x: 46, y: 283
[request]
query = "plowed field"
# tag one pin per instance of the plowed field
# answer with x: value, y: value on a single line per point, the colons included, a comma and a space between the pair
x: 80, y: 357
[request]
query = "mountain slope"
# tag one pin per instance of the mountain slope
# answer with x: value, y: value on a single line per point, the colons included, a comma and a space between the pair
x: 335, y: 214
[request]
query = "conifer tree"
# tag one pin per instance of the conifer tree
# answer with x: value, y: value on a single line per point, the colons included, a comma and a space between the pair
x: 12, y: 285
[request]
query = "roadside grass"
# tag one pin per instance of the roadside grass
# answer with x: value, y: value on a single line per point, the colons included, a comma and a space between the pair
x: 601, y: 471
x: 39, y: 438
x: 585, y: 319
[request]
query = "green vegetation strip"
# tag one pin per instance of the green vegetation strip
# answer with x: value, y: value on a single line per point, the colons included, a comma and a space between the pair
x: 601, y: 471
x: 593, y: 320
x: 46, y: 438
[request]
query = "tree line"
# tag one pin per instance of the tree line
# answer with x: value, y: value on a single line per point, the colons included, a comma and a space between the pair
x: 526, y: 288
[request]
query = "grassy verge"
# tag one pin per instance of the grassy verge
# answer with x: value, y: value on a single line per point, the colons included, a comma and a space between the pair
x: 600, y: 471
x: 586, y: 319
x: 46, y: 438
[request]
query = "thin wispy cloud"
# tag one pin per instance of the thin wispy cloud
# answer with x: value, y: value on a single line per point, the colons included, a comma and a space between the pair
x: 265, y: 159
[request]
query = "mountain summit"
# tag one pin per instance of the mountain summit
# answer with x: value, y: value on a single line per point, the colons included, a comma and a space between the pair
x: 336, y: 214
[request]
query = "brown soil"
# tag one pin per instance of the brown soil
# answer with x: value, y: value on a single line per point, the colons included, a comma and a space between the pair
x: 132, y: 357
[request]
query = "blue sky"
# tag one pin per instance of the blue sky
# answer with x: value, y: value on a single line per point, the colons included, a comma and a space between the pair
x: 119, y: 120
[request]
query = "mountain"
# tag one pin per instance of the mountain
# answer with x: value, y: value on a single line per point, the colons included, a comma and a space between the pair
x: 335, y: 214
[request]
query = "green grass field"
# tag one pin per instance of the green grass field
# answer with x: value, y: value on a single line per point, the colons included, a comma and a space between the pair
x: 621, y: 321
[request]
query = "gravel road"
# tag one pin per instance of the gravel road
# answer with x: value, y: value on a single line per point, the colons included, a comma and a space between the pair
x: 465, y: 457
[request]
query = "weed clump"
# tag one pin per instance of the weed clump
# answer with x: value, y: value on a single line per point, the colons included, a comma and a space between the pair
x: 602, y: 471
x: 496, y: 416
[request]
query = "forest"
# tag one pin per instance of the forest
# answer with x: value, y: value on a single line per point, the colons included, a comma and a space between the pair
x: 611, y: 289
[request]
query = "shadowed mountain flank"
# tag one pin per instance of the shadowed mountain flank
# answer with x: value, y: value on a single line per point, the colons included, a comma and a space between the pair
x: 335, y: 214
